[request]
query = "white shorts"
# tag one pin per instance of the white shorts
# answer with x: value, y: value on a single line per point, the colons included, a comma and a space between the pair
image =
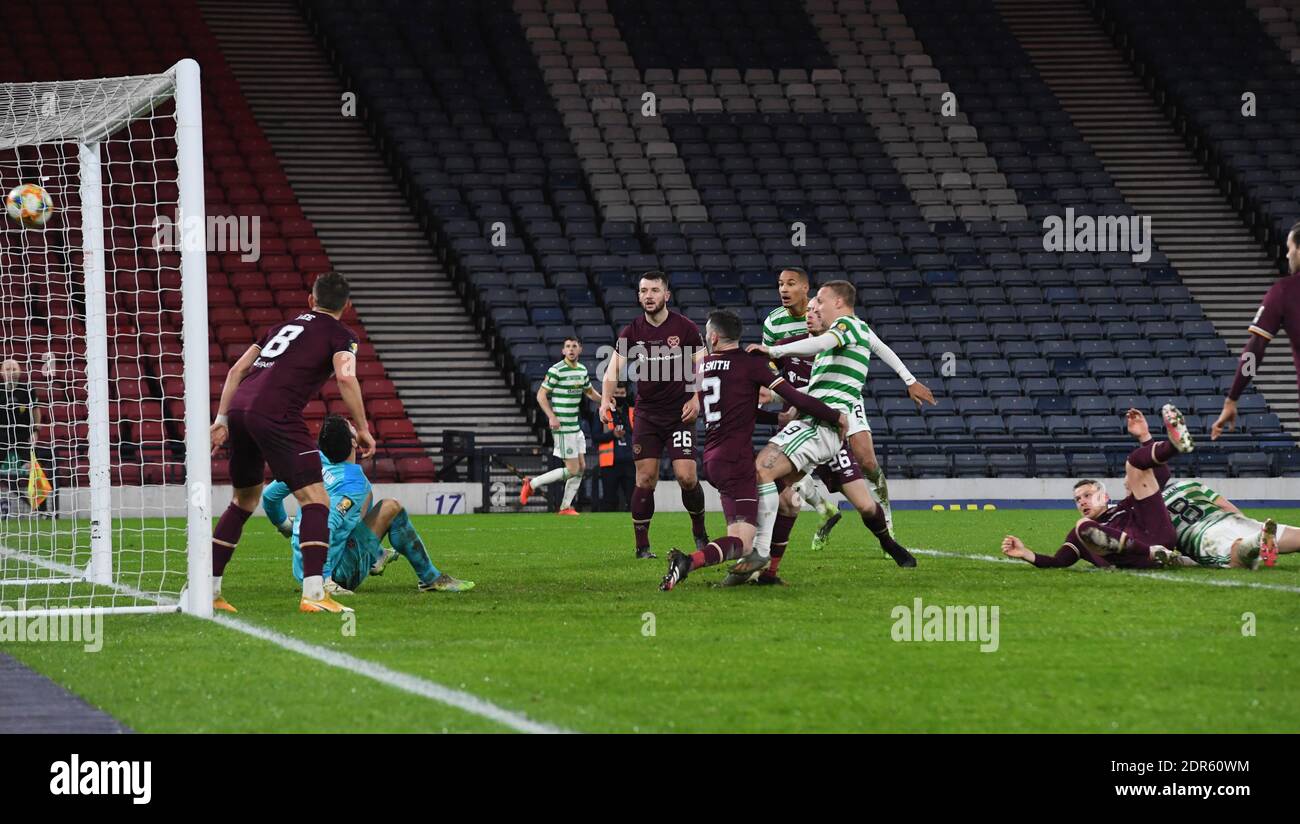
x: 1215, y: 546
x: 808, y: 445
x: 569, y: 446
x: 858, y: 419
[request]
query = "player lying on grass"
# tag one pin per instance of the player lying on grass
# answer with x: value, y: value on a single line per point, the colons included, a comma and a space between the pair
x: 730, y: 379
x: 1213, y: 532
x: 356, y: 549
x: 560, y: 397
x: 1136, y: 533
x: 842, y: 353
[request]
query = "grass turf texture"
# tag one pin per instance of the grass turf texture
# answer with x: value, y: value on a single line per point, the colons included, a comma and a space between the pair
x: 555, y: 631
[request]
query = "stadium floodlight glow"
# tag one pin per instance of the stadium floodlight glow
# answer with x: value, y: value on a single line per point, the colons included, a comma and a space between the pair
x: 111, y: 332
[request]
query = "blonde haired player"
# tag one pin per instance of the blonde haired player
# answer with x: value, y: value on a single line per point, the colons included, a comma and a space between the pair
x: 560, y: 397
x: 842, y: 355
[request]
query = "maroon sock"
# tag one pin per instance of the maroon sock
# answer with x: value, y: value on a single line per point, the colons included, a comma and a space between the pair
x: 314, y: 538
x: 226, y: 535
x: 693, y: 500
x: 643, y: 509
x: 1151, y: 454
x: 780, y: 540
x: 876, y: 523
x: 726, y: 548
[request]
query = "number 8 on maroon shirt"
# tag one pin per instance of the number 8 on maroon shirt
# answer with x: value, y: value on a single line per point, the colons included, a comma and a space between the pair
x: 266, y: 423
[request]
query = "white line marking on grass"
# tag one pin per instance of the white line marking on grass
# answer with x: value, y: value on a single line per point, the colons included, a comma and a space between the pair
x: 367, y: 669
x: 399, y: 680
x: 1159, y: 576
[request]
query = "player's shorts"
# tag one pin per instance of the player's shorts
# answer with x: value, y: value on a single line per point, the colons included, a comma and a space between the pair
x: 353, y: 564
x: 569, y: 445
x: 737, y: 483
x: 1214, y: 547
x: 858, y: 419
x: 1147, y: 519
x: 655, y: 438
x: 286, y: 445
x: 808, y: 445
x: 843, y: 469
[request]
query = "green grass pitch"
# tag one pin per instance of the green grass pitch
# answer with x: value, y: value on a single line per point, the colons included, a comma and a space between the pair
x: 557, y: 630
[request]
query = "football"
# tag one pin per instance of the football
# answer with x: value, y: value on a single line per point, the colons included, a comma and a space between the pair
x: 29, y: 204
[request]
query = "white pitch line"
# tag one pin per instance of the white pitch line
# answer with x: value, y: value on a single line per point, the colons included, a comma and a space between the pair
x: 398, y: 680
x: 358, y: 666
x: 1159, y: 576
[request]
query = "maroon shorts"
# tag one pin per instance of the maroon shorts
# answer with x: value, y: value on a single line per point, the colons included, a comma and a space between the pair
x: 1146, y: 519
x: 256, y: 440
x: 842, y: 469
x: 654, y: 437
x: 737, y: 483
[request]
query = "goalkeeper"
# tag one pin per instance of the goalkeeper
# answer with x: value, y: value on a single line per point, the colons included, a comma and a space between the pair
x: 356, y: 550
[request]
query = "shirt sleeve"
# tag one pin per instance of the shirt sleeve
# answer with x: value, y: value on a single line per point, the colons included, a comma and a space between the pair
x: 844, y: 331
x: 273, y: 502
x: 889, y: 358
x: 346, y: 341
x: 1269, y: 316
x: 551, y: 380
x: 769, y: 334
x: 807, y: 347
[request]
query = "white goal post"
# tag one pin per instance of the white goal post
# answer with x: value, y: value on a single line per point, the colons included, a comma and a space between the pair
x: 109, y: 333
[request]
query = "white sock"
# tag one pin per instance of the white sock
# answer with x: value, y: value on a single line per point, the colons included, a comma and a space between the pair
x: 570, y: 490
x: 216, y: 586
x: 768, y: 501
x: 810, y: 491
x: 313, y: 587
x: 560, y: 474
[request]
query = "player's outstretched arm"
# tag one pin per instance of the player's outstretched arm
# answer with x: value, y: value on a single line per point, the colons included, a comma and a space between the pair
x: 1013, y: 547
x: 345, y: 372
x: 917, y: 391
x: 594, y: 395
x: 1252, y: 357
x: 234, y: 377
x: 805, y: 348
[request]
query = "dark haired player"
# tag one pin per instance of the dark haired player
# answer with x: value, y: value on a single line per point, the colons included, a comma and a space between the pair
x: 356, y: 539
x: 1280, y: 309
x: 1136, y: 533
x: 560, y: 397
x: 260, y: 417
x: 730, y: 380
x: 658, y: 352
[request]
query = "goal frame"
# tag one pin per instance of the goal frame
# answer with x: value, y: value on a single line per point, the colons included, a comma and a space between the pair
x: 182, y: 83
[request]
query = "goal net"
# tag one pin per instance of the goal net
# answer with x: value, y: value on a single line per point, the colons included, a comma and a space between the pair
x: 104, y: 407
